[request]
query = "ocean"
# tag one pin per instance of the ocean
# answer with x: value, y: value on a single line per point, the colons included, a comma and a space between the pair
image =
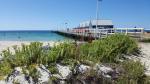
x: 30, y: 36
x: 148, y: 30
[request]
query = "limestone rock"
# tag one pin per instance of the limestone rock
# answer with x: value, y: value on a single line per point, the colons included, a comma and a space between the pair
x: 17, y: 77
x: 81, y: 68
x: 44, y: 74
x: 104, y: 71
x: 64, y: 71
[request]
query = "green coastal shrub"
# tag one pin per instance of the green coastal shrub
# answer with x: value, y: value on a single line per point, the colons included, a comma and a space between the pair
x: 60, y: 53
x: 130, y: 72
x: 53, y: 68
x: 5, y: 69
x: 134, y: 70
x: 33, y: 72
x: 5, y: 66
x: 26, y: 55
x: 133, y: 73
x: 109, y: 49
x: 106, y: 50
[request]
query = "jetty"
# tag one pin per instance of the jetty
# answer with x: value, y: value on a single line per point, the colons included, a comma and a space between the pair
x: 87, y: 33
x: 98, y: 29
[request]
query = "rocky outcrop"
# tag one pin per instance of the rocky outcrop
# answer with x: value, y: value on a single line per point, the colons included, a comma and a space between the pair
x: 18, y: 77
x: 106, y: 71
x: 64, y: 71
x: 81, y: 69
x: 44, y: 74
x: 64, y: 75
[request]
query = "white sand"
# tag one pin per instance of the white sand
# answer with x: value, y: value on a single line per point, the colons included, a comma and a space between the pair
x: 8, y: 44
x: 145, y: 59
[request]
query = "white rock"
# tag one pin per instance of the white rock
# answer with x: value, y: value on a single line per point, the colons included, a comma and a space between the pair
x: 2, y: 82
x: 103, y: 70
x: 107, y: 76
x: 44, y: 74
x: 62, y: 82
x: 82, y: 68
x: 18, y: 69
x: 17, y: 77
x: 21, y: 79
x: 64, y: 71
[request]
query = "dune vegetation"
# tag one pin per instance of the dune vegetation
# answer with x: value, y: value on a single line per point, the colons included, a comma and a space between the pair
x: 109, y: 50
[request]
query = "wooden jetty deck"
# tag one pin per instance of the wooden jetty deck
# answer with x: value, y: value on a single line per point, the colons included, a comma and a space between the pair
x: 101, y: 33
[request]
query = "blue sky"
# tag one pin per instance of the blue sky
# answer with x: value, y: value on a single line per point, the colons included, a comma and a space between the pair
x: 53, y: 14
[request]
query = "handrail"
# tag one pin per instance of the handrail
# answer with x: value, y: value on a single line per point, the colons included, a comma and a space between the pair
x: 97, y: 33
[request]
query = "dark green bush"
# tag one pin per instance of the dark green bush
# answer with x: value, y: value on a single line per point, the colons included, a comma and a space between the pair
x: 134, y: 70
x: 133, y: 73
x: 33, y: 72
x: 26, y: 55
x: 109, y: 49
x: 60, y: 53
x: 5, y: 69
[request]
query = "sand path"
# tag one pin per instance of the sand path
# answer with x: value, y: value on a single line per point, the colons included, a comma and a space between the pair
x: 145, y: 59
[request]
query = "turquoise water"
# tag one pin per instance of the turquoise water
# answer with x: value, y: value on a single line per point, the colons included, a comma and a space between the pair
x: 30, y: 36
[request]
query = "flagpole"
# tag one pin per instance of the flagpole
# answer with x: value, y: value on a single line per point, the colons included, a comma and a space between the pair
x: 97, y: 13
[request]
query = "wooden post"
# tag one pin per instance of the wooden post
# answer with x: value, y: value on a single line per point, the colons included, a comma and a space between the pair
x: 126, y: 31
x: 107, y: 32
x: 115, y: 30
x: 142, y: 32
x: 121, y: 30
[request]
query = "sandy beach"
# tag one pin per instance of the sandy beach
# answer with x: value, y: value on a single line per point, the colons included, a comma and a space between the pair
x: 8, y: 44
x: 145, y: 59
x: 146, y: 35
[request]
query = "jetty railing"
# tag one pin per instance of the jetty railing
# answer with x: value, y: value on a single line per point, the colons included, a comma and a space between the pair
x: 102, y: 33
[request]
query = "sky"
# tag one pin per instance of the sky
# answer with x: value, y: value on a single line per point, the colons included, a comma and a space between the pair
x: 53, y: 14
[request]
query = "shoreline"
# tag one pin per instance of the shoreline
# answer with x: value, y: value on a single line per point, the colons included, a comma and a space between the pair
x: 8, y: 44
